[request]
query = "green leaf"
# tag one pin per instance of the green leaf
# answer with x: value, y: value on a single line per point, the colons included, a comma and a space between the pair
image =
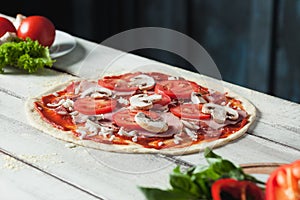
x: 24, y: 54
x: 226, y: 169
x: 184, y: 183
x: 158, y: 194
x: 209, y: 154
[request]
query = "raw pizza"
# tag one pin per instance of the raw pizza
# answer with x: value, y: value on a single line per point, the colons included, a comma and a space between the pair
x: 141, y: 112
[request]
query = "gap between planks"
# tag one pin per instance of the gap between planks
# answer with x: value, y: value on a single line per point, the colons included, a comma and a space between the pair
x: 10, y: 93
x: 273, y: 141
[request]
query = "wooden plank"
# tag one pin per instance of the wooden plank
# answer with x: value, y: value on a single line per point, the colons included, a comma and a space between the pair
x: 91, y: 60
x: 19, y: 181
x: 250, y: 149
x: 30, y: 84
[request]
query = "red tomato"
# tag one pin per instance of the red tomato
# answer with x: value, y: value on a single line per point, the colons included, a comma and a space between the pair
x: 119, y: 83
x: 177, y: 89
x: 190, y: 111
x: 37, y: 28
x: 71, y: 87
x: 158, y: 76
x: 232, y: 189
x: 6, y: 26
x: 91, y: 106
x: 125, y: 118
x: 164, y: 100
x: 283, y: 183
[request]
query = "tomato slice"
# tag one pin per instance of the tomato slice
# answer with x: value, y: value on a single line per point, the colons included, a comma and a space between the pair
x: 190, y: 111
x: 284, y: 183
x: 119, y: 83
x: 71, y: 87
x: 125, y: 118
x: 158, y: 76
x: 91, y: 106
x: 232, y: 189
x: 165, y: 100
x: 177, y: 89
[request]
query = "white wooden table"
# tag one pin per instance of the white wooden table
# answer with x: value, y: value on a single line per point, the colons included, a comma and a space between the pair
x: 34, y: 165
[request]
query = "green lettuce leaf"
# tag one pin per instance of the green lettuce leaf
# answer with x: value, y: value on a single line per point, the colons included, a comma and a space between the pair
x: 24, y: 54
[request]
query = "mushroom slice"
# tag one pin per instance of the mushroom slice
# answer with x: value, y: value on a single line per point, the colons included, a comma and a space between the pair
x: 143, y: 101
x: 143, y: 81
x: 97, y: 92
x: 220, y: 113
x: 197, y: 98
x: 149, y: 124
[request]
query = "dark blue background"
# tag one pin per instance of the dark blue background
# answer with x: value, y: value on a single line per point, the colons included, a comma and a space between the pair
x: 255, y: 43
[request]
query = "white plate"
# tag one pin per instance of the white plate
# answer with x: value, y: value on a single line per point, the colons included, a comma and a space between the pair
x: 63, y: 44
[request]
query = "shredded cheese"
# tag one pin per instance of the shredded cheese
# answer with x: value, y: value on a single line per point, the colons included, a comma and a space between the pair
x: 177, y: 139
x: 191, y: 134
x: 121, y: 100
x: 56, y: 104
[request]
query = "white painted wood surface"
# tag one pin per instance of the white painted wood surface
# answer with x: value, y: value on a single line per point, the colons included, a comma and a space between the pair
x: 20, y: 181
x: 82, y: 173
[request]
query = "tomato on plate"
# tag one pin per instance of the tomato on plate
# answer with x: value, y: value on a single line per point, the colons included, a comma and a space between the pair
x: 189, y: 111
x: 284, y: 183
x: 37, y: 28
x: 177, y: 89
x: 91, y: 106
x: 125, y: 118
x: 229, y: 188
x: 6, y: 26
x: 119, y: 83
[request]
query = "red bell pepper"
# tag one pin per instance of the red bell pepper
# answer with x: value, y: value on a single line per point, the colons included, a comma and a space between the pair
x: 232, y: 189
x: 284, y: 183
